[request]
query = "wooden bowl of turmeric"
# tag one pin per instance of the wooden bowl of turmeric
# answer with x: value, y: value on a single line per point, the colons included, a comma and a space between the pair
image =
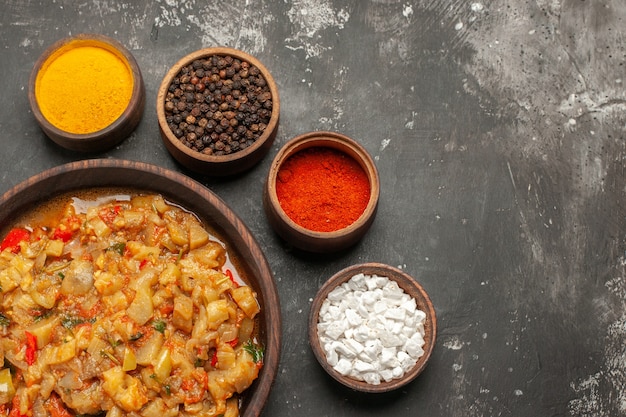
x: 87, y: 92
x: 321, y: 193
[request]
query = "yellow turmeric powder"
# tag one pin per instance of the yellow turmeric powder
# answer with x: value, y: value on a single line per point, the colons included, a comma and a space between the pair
x: 83, y: 87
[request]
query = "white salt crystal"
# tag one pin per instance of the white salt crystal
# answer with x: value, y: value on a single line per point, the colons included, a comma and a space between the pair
x: 362, y: 333
x: 372, y: 378
x: 369, y: 298
x: 396, y: 328
x: 344, y: 366
x: 413, y: 348
x: 397, y: 314
x: 335, y: 330
x: 386, y: 375
x: 334, y: 313
x: 409, y: 306
x: 357, y: 282
x: 361, y: 366
x: 371, y: 351
x: 388, y: 357
x: 419, y: 315
x: 363, y: 311
x: 391, y: 340
x: 353, y: 318
x: 380, y: 307
x: 332, y: 357
x: 354, y: 346
x: 342, y: 349
x: 406, y: 361
x: 337, y: 294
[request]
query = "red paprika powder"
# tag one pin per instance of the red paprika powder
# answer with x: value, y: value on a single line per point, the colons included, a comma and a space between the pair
x: 322, y: 189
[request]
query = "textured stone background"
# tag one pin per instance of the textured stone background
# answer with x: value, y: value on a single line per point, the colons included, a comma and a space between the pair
x: 498, y: 130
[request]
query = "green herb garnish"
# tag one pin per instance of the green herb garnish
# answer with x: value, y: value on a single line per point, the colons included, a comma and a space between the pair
x: 135, y: 336
x: 41, y: 314
x: 70, y: 322
x: 109, y: 355
x: 118, y: 247
x: 254, y: 350
x: 159, y: 326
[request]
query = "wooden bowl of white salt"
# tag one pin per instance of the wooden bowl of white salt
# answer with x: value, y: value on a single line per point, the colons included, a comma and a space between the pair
x: 372, y: 327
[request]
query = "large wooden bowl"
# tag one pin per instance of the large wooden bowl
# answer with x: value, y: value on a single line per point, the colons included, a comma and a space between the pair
x: 410, y: 287
x: 191, y: 195
x: 110, y: 135
x: 217, y: 165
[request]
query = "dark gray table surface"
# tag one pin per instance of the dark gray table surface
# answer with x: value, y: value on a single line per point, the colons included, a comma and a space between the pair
x: 498, y: 131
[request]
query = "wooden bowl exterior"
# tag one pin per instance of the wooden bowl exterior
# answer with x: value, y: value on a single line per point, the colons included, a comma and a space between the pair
x: 111, y: 135
x: 411, y: 287
x: 191, y: 195
x: 305, y: 239
x: 211, y: 165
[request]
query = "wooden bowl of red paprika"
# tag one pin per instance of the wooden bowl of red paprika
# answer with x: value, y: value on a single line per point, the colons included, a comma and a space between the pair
x: 87, y: 92
x: 321, y: 192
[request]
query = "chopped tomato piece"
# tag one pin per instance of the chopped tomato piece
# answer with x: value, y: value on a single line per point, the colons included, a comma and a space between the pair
x: 31, y: 348
x: 166, y: 308
x: 196, y: 387
x: 108, y: 214
x: 13, y: 239
x: 62, y: 233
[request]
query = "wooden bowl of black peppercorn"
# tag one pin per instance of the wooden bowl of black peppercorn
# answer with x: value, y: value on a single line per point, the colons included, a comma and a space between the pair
x: 218, y: 111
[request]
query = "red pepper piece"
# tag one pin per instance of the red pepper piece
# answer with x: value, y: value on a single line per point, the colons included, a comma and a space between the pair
x: 31, y: 348
x: 229, y: 274
x: 13, y: 238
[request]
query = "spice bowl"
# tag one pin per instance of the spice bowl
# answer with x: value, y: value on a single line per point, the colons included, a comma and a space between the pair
x: 218, y: 111
x: 321, y: 192
x: 372, y: 327
x: 86, y: 92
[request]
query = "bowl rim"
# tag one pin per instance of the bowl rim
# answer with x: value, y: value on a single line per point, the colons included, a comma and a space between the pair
x: 128, y: 174
x: 137, y: 97
x: 341, y: 143
x: 404, y: 281
x: 202, y: 53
